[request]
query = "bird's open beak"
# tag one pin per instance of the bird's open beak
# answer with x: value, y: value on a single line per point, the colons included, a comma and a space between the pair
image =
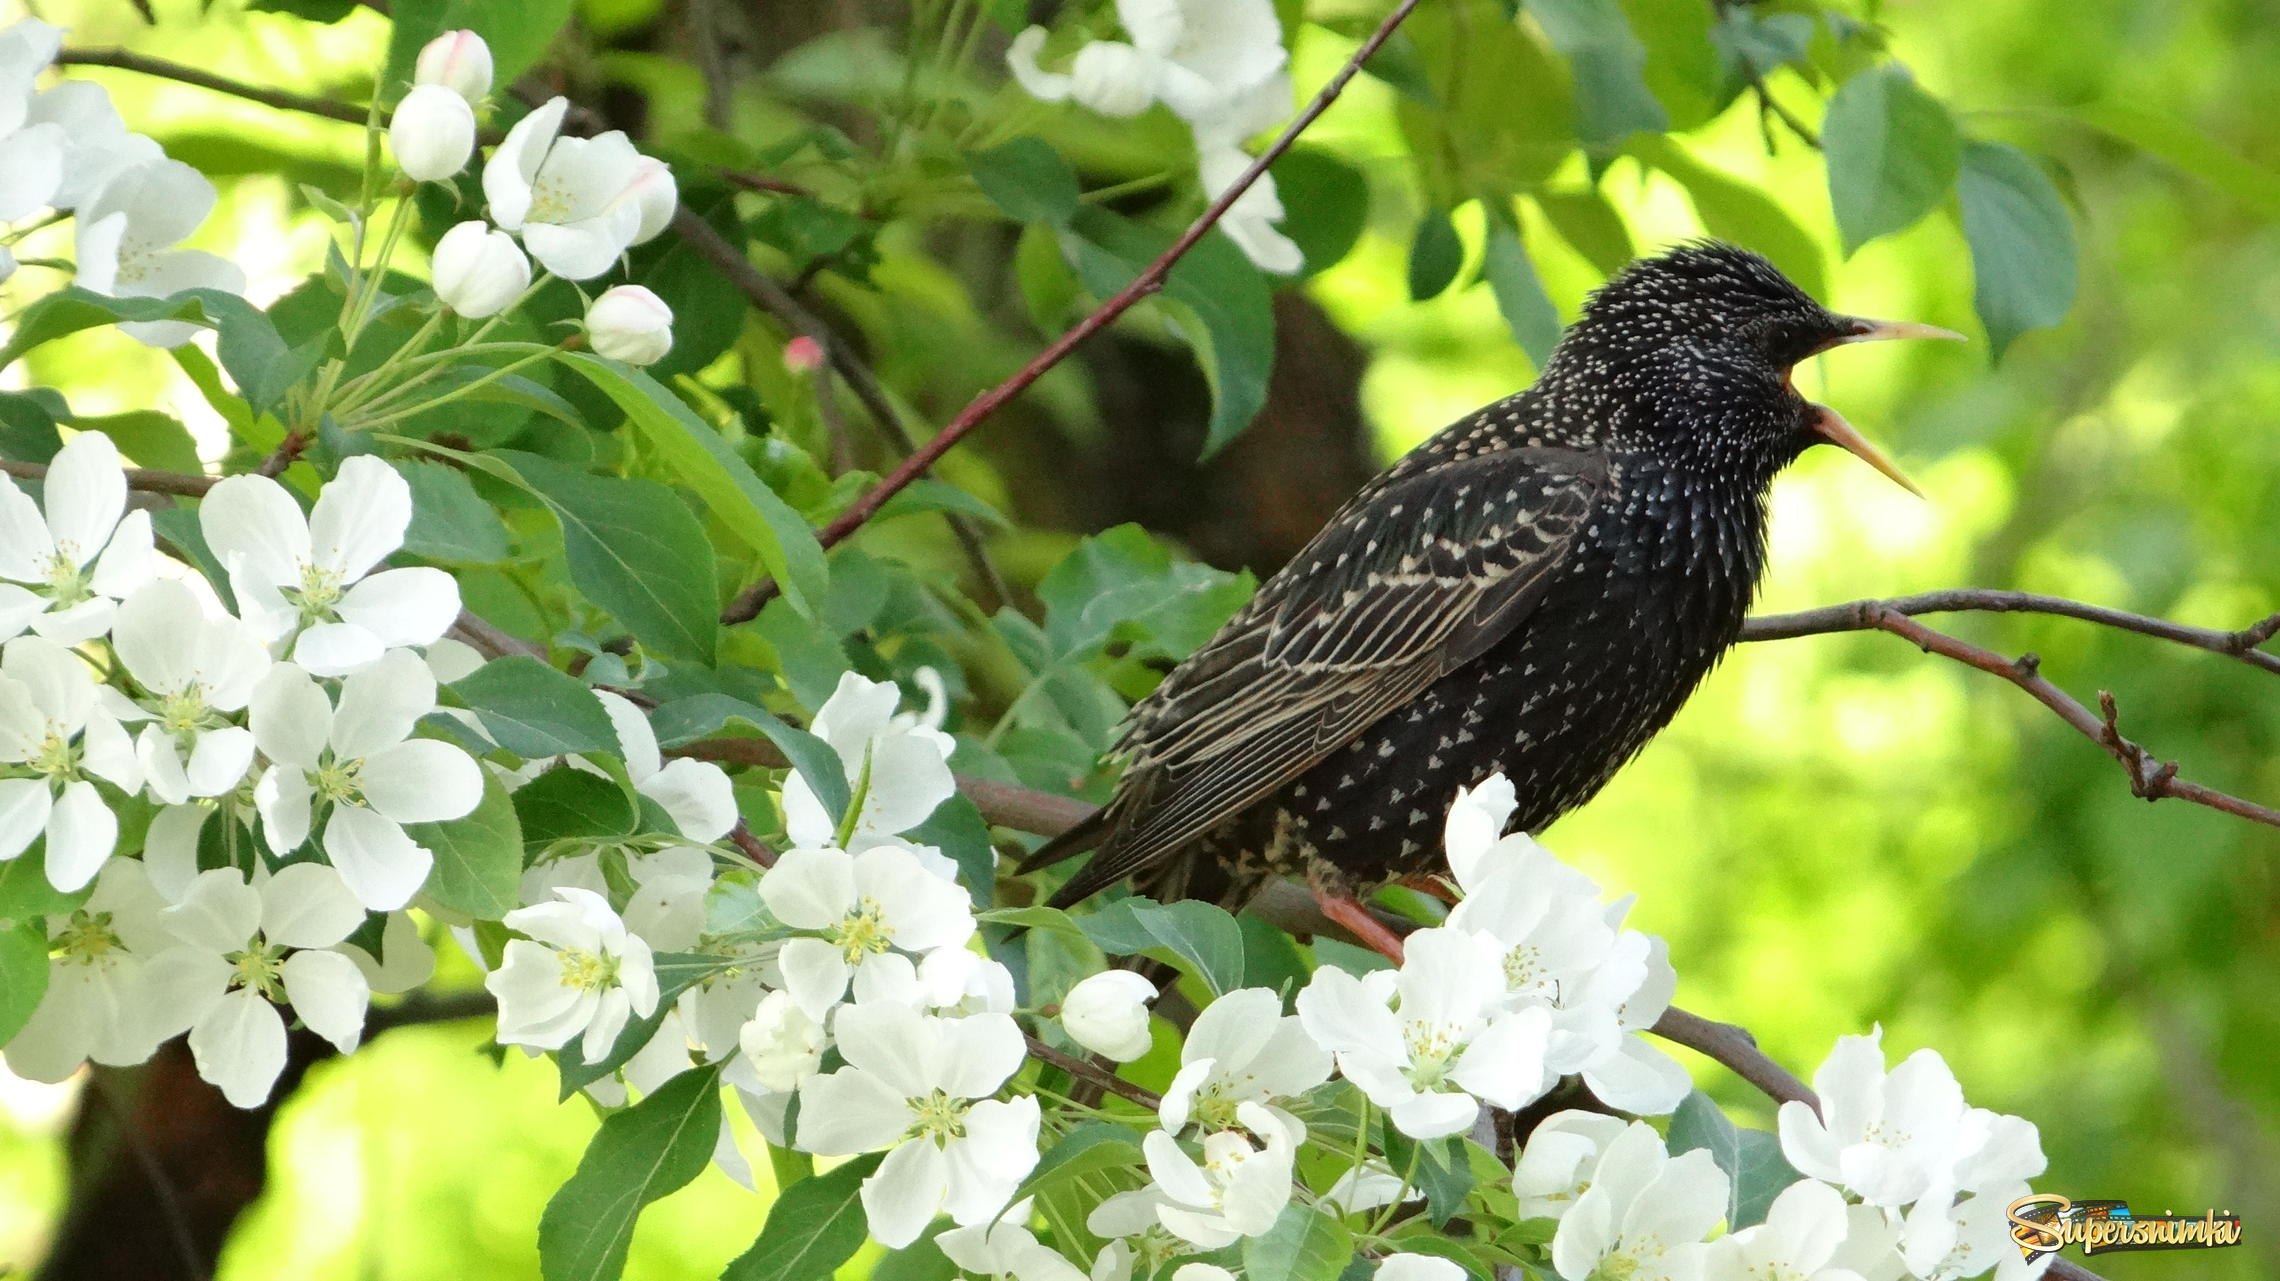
x: 1831, y: 425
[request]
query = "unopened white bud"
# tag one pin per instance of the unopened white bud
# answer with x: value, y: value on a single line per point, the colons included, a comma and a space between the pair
x: 1108, y: 1014
x: 459, y: 61
x: 432, y: 134
x: 631, y: 324
x: 479, y: 271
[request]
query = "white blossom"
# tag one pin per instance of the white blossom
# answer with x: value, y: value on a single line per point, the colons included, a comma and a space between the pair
x: 1433, y: 1040
x: 654, y: 195
x: 564, y: 196
x: 311, y: 577
x: 947, y: 980
x: 102, y: 1001
x: 1242, y: 1049
x: 1005, y: 1248
x: 126, y: 238
x: 1942, y: 1239
x: 918, y: 1086
x: 579, y: 974
x: 1107, y: 1013
x: 197, y: 671
x: 479, y: 270
x: 862, y: 905
x: 1418, y: 1267
x: 432, y: 133
x: 1645, y: 1214
x: 458, y: 60
x: 357, y: 762
x: 899, y: 763
x: 97, y: 146
x: 250, y: 948
x: 66, y: 561
x: 1237, y: 1190
x: 1138, y: 1243
x: 696, y: 795
x: 1250, y: 221
x: 31, y: 152
x: 630, y: 323
x: 1195, y: 56
x: 1557, y: 1163
x: 1887, y: 1137
x: 782, y: 1044
x: 1799, y: 1241
x: 55, y: 727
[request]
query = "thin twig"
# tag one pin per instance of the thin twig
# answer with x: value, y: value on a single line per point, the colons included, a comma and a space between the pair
x: 179, y: 484
x: 1148, y: 282
x: 1861, y: 615
x: 345, y: 111
x: 1735, y: 1049
x: 2150, y: 779
x: 742, y: 836
x: 1769, y: 107
x: 1087, y: 1070
x: 491, y: 640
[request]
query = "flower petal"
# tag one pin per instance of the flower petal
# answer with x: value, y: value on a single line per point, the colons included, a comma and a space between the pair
x: 383, y: 867
x: 421, y: 780
x: 81, y: 833
x: 380, y: 704
x: 329, y: 993
x: 360, y: 517
x: 253, y: 519
x: 240, y: 1046
x: 308, y: 905
x: 85, y: 493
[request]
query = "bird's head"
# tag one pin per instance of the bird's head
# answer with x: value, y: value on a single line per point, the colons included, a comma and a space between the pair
x: 1711, y: 334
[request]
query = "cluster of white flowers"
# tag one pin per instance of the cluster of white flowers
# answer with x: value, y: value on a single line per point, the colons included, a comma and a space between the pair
x: 126, y: 684
x: 576, y: 203
x: 1218, y: 65
x: 862, y: 943
x: 65, y: 149
x: 1903, y: 1146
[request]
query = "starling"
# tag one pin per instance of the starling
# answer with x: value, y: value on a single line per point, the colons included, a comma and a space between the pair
x: 1533, y: 591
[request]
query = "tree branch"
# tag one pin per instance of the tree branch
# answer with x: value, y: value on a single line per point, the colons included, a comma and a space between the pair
x: 1862, y: 615
x: 126, y: 60
x: 1148, y: 282
x: 179, y: 484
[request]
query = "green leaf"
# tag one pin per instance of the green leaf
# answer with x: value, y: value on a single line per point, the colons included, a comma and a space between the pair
x: 27, y: 425
x: 566, y: 804
x: 2022, y: 243
x: 25, y: 892
x: 1327, y: 202
x: 23, y: 976
x: 1612, y: 100
x: 719, y: 477
x: 1027, y: 179
x: 1520, y: 295
x: 1589, y: 223
x: 1436, y: 254
x: 677, y: 972
x: 815, y: 1225
x: 450, y: 521
x: 1092, y: 1146
x: 1440, y: 1168
x: 652, y: 1148
x: 518, y: 32
x: 1229, y: 321
x: 1892, y: 154
x: 635, y: 551
x: 1755, y: 1170
x: 957, y: 829
x: 478, y: 858
x: 686, y: 720
x: 1122, y: 585
x: 1201, y: 939
x: 2189, y: 150
x: 246, y: 340
x: 148, y: 439
x: 533, y: 710
x: 1304, y: 1244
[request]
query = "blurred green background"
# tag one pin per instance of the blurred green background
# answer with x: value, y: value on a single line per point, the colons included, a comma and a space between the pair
x: 1838, y: 832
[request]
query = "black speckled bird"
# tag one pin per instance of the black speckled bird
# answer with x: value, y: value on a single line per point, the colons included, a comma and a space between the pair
x: 1535, y: 590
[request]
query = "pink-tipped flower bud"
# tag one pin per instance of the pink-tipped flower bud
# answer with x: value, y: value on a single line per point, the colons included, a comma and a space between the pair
x: 457, y: 60
x: 803, y: 355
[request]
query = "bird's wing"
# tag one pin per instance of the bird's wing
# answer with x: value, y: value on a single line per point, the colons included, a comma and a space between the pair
x: 1416, y: 577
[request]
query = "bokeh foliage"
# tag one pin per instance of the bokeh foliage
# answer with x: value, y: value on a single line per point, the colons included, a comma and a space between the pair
x: 1837, y: 830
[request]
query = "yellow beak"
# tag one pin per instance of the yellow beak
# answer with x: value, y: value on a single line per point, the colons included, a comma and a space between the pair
x: 1831, y: 425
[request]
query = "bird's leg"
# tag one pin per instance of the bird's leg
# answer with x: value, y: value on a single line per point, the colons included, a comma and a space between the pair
x: 1343, y: 909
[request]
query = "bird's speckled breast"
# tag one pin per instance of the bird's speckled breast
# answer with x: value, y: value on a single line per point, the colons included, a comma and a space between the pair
x: 1619, y: 642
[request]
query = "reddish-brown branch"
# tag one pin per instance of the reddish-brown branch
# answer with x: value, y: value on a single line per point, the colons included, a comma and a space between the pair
x: 179, y: 484
x: 2151, y: 779
x: 1148, y: 282
x: 124, y: 60
x: 1861, y: 615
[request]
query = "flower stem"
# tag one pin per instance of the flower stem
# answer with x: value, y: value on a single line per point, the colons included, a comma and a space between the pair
x: 465, y: 389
